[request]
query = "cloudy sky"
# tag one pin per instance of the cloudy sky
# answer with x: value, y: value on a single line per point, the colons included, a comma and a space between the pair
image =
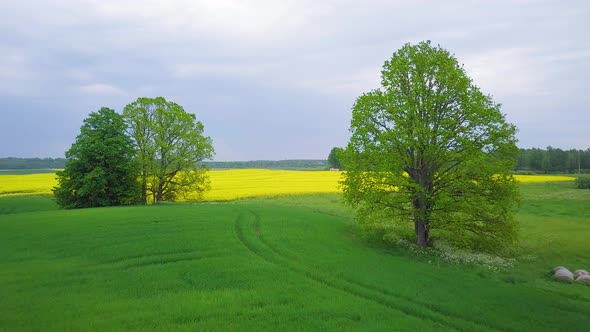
x: 276, y: 79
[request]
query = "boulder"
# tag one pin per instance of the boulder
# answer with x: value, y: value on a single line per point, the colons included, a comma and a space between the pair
x: 584, y: 279
x: 578, y: 273
x: 563, y: 274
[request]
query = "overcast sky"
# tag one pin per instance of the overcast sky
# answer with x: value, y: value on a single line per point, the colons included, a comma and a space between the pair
x: 277, y: 79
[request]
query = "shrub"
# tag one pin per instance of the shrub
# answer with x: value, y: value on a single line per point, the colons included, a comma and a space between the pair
x: 583, y: 182
x: 524, y: 172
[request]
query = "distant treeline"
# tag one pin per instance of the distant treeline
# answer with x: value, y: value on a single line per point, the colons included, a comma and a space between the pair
x: 32, y: 163
x: 296, y: 164
x: 552, y: 160
x: 299, y: 164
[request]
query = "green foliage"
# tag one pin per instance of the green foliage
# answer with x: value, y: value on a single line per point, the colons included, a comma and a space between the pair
x: 583, y: 182
x: 334, y: 158
x: 430, y: 152
x: 171, y: 148
x: 100, y: 168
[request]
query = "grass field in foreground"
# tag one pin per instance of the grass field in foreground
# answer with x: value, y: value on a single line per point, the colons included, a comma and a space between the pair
x: 290, y: 263
x: 236, y: 184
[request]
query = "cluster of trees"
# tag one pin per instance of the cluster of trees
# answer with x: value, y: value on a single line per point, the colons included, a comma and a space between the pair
x: 153, y: 151
x: 553, y: 160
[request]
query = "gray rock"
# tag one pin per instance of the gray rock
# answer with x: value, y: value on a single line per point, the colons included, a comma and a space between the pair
x: 558, y: 268
x: 578, y: 273
x: 583, y: 278
x: 563, y: 274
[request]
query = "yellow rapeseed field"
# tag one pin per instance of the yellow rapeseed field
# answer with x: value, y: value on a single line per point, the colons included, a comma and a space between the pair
x: 235, y: 184
x: 543, y: 178
x: 27, y: 184
x: 243, y: 183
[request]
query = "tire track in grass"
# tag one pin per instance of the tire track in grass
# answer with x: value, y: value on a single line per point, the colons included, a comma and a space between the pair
x: 344, y: 286
x: 146, y: 255
x: 155, y: 258
x: 171, y: 260
x: 432, y: 307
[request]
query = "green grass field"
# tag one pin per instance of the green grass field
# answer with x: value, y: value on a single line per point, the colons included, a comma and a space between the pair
x: 290, y: 263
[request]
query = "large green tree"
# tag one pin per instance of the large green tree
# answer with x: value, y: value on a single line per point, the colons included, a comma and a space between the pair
x: 100, y: 168
x: 430, y: 152
x: 171, y: 147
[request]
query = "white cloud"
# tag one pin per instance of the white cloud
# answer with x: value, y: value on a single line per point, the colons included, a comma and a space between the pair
x: 101, y: 89
x: 79, y: 75
x: 238, y: 69
x: 238, y: 21
x: 17, y: 75
x: 508, y: 71
x: 231, y: 58
x: 14, y: 67
x: 350, y: 83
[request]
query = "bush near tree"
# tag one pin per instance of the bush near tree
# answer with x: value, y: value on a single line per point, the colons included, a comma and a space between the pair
x: 583, y: 182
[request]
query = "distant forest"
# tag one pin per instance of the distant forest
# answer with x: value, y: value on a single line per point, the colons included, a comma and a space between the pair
x: 552, y: 160
x: 32, y: 163
x: 541, y: 161
x: 297, y: 164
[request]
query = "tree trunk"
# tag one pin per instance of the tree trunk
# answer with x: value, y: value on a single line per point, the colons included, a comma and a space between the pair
x: 159, y: 195
x: 421, y: 219
x: 144, y: 178
x: 421, y: 229
x: 421, y: 202
x: 144, y: 189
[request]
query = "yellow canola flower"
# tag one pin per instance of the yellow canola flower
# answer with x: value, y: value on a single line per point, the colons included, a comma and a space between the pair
x: 244, y: 183
x: 27, y: 184
x: 543, y: 178
x: 238, y: 183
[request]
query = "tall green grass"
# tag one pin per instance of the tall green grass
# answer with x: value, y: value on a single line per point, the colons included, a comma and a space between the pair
x: 20, y: 204
x: 290, y: 263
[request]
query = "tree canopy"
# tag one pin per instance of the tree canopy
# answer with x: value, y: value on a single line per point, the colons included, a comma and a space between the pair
x: 170, y: 147
x: 334, y: 158
x: 100, y: 168
x: 432, y: 155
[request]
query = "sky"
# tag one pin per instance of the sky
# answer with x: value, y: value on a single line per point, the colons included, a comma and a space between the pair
x: 274, y: 79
